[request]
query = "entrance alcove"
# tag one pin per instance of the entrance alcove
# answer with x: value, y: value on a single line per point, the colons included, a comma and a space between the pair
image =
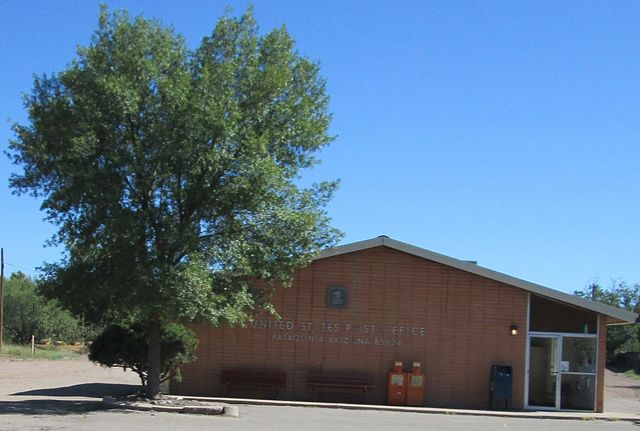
x: 563, y: 356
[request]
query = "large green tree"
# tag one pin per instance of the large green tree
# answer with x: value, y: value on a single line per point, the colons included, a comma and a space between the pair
x: 173, y: 174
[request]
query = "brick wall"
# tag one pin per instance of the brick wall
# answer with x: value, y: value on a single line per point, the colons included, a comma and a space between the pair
x: 602, y: 359
x: 401, y: 307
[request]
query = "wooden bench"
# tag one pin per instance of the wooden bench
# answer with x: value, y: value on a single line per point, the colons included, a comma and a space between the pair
x: 243, y: 379
x: 347, y: 381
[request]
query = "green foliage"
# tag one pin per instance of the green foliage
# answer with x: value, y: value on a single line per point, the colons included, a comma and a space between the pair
x: 633, y: 374
x: 620, y: 338
x: 127, y: 346
x: 173, y: 175
x: 170, y: 172
x: 27, y: 312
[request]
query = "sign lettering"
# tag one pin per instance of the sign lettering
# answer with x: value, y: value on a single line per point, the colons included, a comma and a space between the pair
x: 308, y: 331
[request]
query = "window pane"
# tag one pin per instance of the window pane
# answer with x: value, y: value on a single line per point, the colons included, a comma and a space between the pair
x: 577, y: 392
x: 578, y: 355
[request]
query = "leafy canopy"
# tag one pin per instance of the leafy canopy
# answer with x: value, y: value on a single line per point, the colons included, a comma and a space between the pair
x: 173, y: 174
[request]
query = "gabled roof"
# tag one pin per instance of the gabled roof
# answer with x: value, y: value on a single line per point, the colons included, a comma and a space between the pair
x: 616, y: 315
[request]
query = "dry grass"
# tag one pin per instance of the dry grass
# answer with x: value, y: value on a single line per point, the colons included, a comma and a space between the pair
x: 17, y: 351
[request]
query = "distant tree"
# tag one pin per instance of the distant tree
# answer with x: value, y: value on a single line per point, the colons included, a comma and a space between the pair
x: 173, y: 175
x: 127, y: 347
x: 620, y: 338
x: 18, y: 276
x: 27, y: 312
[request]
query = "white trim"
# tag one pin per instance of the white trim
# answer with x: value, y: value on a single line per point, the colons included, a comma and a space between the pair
x: 559, y: 372
x: 619, y: 316
x: 563, y: 334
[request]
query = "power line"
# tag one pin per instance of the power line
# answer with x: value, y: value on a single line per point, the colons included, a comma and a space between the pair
x: 21, y: 267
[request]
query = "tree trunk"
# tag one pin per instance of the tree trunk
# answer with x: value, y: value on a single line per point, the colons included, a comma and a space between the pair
x: 153, y: 378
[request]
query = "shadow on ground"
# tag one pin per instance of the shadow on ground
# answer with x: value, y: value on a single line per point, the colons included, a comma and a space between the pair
x: 91, y: 390
x: 52, y: 406
x: 49, y: 407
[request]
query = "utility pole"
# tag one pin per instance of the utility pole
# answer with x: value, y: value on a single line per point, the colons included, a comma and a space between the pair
x: 1, y: 295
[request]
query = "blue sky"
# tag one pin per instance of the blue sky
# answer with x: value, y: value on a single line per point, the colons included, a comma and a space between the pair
x: 503, y: 132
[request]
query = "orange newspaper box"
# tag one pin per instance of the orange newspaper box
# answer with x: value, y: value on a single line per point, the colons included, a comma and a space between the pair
x: 415, y: 387
x: 397, y: 386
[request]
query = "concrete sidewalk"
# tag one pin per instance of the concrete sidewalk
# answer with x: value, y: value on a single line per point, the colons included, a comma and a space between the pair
x: 608, y: 416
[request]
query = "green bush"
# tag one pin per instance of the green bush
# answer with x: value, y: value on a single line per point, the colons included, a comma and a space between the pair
x: 127, y: 347
x: 27, y: 312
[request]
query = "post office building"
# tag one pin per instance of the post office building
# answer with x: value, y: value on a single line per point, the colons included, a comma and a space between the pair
x: 464, y: 335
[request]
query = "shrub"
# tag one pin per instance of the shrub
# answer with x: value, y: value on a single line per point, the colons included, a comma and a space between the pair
x: 127, y: 347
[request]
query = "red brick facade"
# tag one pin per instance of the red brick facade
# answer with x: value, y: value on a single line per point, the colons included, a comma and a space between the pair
x: 602, y: 354
x: 401, y: 308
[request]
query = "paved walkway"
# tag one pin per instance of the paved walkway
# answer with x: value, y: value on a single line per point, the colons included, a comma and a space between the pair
x: 609, y: 416
x: 622, y: 402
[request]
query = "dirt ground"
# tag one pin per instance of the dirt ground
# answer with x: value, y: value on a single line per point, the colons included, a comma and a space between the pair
x: 43, y: 386
x: 28, y: 375
x: 35, y: 387
x: 621, y: 393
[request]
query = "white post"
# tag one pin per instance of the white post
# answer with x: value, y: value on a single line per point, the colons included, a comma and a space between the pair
x: 33, y: 345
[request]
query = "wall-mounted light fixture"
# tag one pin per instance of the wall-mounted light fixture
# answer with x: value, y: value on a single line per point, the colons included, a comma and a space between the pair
x: 514, y: 329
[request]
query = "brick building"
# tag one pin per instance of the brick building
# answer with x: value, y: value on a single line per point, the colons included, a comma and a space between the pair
x: 358, y: 308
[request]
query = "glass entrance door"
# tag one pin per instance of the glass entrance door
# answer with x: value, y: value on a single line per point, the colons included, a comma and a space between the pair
x: 562, y: 371
x: 543, y: 371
